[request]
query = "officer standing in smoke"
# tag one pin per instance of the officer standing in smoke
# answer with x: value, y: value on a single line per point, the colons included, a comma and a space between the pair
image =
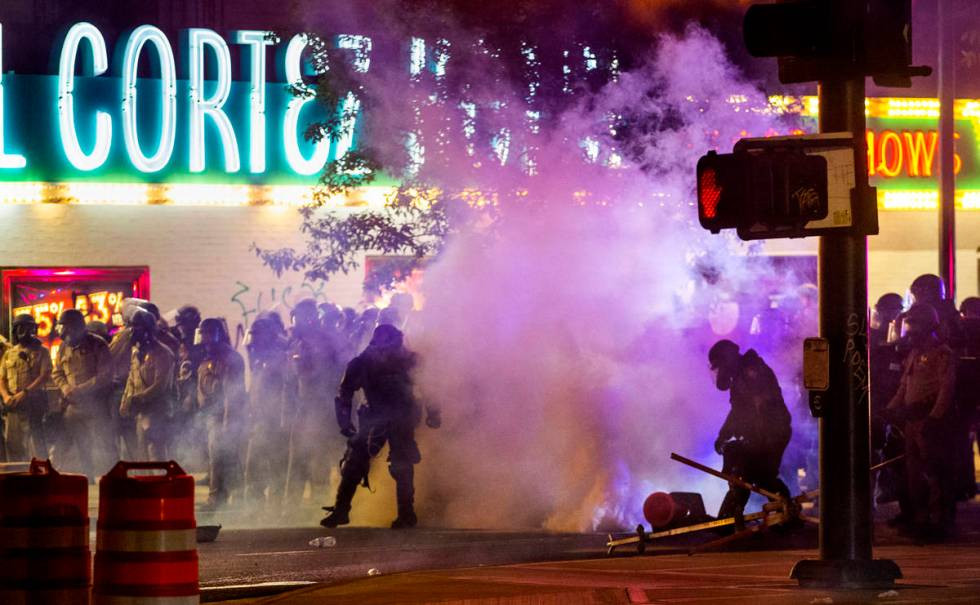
x: 267, y: 442
x: 149, y: 387
x: 81, y: 373
x: 24, y: 370
x: 221, y: 399
x: 391, y: 414
x: 313, y: 375
x: 758, y: 427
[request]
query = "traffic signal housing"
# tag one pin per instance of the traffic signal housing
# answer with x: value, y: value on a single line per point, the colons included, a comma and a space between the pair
x: 764, y: 193
x: 835, y: 39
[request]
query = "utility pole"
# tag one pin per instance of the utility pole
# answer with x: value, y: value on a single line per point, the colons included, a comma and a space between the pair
x: 845, y: 452
x: 947, y: 176
x: 845, y: 459
x: 838, y: 43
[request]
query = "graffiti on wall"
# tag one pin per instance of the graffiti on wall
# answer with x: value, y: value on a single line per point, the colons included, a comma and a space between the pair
x: 253, y: 301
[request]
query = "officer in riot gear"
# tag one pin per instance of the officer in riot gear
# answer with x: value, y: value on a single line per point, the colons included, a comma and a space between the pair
x: 189, y: 438
x: 758, y: 427
x: 24, y: 372
x: 81, y: 373
x: 390, y: 416
x: 149, y: 387
x: 267, y: 454
x: 885, y: 362
x: 221, y: 401
x: 313, y: 374
x: 122, y: 429
x: 931, y: 289
x: 924, y: 407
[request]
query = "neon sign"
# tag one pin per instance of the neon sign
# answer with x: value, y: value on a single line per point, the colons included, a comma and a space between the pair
x: 92, y: 119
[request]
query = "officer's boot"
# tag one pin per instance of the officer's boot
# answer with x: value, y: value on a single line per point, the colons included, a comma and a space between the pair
x: 355, y: 467
x: 340, y: 511
x: 404, y: 476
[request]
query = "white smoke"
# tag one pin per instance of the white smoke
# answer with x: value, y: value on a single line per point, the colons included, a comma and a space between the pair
x: 568, y: 351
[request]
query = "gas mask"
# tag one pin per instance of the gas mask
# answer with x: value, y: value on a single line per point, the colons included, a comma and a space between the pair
x: 25, y: 333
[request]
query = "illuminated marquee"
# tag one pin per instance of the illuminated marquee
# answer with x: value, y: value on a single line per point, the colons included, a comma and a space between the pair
x: 161, y: 129
x: 101, y: 132
x: 903, y: 140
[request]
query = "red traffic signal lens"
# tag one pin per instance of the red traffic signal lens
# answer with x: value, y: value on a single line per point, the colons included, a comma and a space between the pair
x: 709, y: 194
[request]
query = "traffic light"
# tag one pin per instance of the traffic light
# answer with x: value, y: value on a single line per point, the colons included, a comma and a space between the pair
x: 720, y: 188
x: 835, y: 39
x: 764, y: 193
x: 774, y: 30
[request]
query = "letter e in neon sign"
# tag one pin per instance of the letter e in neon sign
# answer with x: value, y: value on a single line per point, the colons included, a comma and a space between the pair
x: 7, y: 160
x: 141, y: 36
x: 201, y: 106
x: 66, y: 103
x: 290, y: 126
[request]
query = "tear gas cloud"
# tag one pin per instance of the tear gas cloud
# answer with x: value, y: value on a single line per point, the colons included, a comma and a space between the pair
x: 568, y: 350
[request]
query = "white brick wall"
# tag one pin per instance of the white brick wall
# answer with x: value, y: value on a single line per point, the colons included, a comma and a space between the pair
x: 200, y: 254
x: 907, y: 248
x: 196, y: 255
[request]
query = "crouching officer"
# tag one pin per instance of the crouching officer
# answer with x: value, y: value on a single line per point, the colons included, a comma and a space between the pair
x: 391, y: 414
x: 81, y: 373
x: 757, y: 430
x: 24, y: 370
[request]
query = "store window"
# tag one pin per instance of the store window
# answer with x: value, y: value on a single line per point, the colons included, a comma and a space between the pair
x: 45, y: 292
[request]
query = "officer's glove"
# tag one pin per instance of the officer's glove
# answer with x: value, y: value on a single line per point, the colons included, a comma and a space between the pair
x: 720, y: 444
x: 348, y: 430
x: 433, y: 418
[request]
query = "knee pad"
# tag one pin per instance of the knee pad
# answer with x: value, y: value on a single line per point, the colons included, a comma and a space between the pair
x: 356, y: 464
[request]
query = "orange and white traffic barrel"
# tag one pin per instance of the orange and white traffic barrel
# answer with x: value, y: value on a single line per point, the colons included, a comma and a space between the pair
x: 146, y: 542
x: 44, y: 547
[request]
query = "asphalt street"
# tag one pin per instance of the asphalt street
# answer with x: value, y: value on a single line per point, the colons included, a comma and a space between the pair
x: 256, y: 561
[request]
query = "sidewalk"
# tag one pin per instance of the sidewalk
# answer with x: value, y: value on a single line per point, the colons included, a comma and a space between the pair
x: 933, y: 574
x: 946, y: 573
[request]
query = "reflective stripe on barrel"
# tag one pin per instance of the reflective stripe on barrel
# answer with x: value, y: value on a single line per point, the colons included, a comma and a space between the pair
x: 44, y: 537
x: 54, y: 596
x: 146, y: 551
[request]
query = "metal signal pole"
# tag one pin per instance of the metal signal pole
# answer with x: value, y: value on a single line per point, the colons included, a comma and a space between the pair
x: 845, y: 452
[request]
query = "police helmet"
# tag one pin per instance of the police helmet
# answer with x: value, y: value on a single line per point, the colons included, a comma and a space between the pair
x: 720, y: 351
x: 928, y: 288
x: 387, y: 336
x: 212, y: 331
x: 24, y: 319
x: 890, y: 302
x: 305, y: 312
x: 188, y: 315
x: 143, y: 323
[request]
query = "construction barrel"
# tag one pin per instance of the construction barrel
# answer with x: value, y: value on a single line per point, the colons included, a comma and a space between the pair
x: 44, y: 545
x: 146, y: 546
